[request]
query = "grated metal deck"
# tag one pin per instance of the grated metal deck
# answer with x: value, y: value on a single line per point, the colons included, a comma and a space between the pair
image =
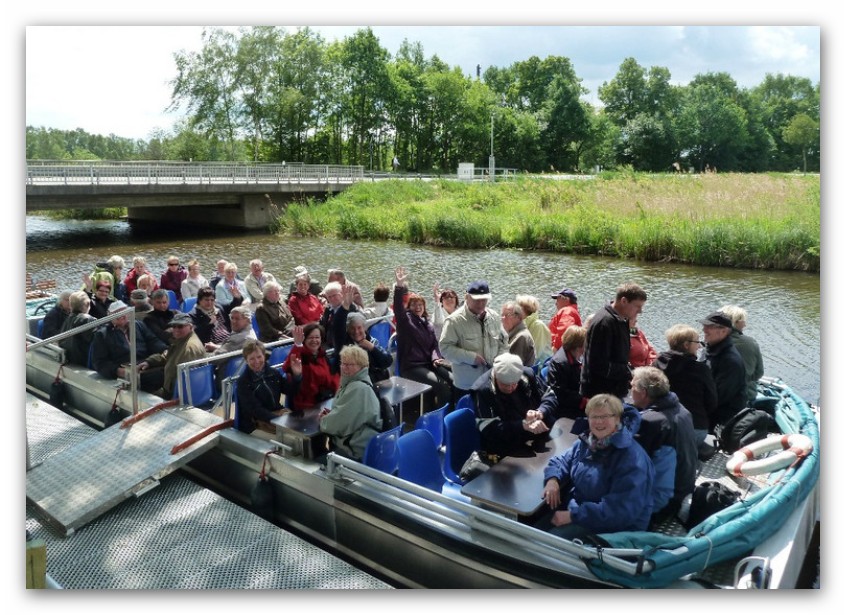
x: 81, y: 482
x: 177, y: 536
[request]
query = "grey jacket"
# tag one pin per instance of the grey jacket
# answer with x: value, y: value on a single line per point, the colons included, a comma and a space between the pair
x: 464, y: 336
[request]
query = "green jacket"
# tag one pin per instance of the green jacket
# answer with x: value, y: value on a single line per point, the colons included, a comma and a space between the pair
x: 180, y: 351
x: 354, y: 417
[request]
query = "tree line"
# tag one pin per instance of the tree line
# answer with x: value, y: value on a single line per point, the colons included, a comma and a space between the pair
x: 266, y: 95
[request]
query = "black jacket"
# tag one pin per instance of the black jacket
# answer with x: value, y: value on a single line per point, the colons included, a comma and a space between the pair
x: 692, y: 381
x: 606, y: 363
x: 562, y: 397
x: 111, y: 348
x: 258, y: 396
x: 729, y: 374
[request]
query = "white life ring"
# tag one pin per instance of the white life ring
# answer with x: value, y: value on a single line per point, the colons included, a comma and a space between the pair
x: 794, y: 447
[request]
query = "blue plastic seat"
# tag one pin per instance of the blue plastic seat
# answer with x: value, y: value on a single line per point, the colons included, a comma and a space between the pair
x: 381, y: 331
x: 433, y: 422
x: 382, y: 452
x: 279, y: 354
x: 173, y: 302
x: 461, y: 438
x: 419, y: 463
x: 465, y: 401
x: 39, y: 329
x: 255, y: 324
x: 199, y: 387
x: 234, y: 367
x: 189, y: 304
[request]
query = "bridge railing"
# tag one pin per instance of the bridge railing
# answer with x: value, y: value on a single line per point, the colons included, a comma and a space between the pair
x: 42, y: 172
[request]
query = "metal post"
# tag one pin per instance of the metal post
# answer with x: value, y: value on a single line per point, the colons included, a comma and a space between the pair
x: 491, y: 160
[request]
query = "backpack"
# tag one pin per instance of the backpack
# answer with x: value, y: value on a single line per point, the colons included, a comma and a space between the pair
x: 745, y: 427
x: 708, y: 498
x: 386, y: 412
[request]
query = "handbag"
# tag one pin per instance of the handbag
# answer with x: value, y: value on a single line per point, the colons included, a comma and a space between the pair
x: 57, y: 391
x: 473, y: 467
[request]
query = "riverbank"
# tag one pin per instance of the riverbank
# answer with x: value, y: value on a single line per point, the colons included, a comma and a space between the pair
x: 761, y: 221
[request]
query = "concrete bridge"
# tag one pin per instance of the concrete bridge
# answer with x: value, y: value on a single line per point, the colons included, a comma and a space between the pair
x: 235, y: 195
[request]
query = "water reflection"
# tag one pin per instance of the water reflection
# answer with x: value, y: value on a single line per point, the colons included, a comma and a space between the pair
x: 784, y: 307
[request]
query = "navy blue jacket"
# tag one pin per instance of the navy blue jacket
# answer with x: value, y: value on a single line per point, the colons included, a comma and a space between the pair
x: 111, y: 348
x: 500, y: 416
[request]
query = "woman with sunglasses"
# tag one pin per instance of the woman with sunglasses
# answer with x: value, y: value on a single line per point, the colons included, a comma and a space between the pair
x: 173, y: 277
x: 690, y: 379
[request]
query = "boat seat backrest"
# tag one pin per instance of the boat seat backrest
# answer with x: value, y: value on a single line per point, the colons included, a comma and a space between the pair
x: 173, y: 302
x: 199, y: 385
x: 279, y: 354
x: 418, y: 460
x: 189, y: 304
x: 433, y: 422
x: 382, y: 453
x: 461, y: 438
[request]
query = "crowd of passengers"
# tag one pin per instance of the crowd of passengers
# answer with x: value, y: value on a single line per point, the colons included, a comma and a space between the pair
x: 645, y: 415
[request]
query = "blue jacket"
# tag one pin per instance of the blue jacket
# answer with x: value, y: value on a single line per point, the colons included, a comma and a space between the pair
x: 666, y: 434
x: 607, y: 490
x: 111, y: 348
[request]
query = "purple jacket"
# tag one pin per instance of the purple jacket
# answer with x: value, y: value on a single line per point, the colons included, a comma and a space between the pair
x: 416, y: 341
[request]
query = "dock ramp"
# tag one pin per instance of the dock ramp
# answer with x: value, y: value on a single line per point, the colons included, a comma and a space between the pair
x: 80, y: 483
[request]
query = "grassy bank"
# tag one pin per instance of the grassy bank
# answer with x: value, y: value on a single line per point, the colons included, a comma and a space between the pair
x: 732, y: 220
x: 107, y: 213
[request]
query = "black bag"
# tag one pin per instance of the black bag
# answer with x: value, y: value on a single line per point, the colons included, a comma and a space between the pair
x: 708, y: 498
x: 473, y: 467
x: 745, y: 427
x: 57, y: 391
x: 386, y: 412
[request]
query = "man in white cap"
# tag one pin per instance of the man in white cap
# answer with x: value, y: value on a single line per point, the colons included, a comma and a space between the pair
x: 506, y: 398
x: 111, y: 351
x: 472, y: 337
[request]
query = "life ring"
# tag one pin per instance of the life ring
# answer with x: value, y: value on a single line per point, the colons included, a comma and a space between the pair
x: 794, y: 447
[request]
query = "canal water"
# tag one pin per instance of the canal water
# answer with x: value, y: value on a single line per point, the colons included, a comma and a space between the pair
x: 783, y: 307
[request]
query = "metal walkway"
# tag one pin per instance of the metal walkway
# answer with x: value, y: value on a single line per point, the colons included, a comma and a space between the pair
x: 78, y: 484
x: 177, y: 536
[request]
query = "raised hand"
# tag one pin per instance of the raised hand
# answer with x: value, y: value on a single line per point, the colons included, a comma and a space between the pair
x: 401, y: 276
x: 436, y: 293
x: 296, y: 365
x: 299, y: 336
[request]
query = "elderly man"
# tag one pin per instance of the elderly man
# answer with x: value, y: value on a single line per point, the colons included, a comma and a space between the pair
x: 158, y: 320
x: 56, y: 317
x: 666, y: 434
x: 748, y: 348
x: 726, y: 364
x: 334, y: 317
x: 274, y: 317
x: 566, y: 314
x: 241, y: 322
x: 472, y: 337
x: 255, y: 282
x: 520, y: 340
x: 506, y: 397
x: 186, y: 347
x: 606, y: 362
x: 111, y: 351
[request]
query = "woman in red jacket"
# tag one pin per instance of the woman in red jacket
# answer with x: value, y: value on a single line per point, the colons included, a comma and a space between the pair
x: 305, y: 307
x: 308, y: 368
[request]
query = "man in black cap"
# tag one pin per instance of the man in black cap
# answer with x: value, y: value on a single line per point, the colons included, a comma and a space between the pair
x: 472, y: 337
x: 726, y: 364
x: 566, y: 314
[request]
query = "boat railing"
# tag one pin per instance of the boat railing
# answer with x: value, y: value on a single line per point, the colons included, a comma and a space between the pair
x: 95, y: 324
x: 411, y: 498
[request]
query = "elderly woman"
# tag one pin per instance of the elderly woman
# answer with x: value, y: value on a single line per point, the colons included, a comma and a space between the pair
x: 101, y: 299
x: 260, y: 388
x: 603, y: 483
x: 308, y: 368
x: 305, y: 307
x: 147, y: 283
x: 689, y: 378
x: 194, y: 281
x: 231, y: 291
x: 211, y: 324
x: 418, y: 354
x: 537, y: 328
x: 77, y: 347
x: 446, y: 302
x: 174, y: 276
x: 380, y: 360
x: 354, y: 417
x: 562, y: 397
x: 139, y: 268
x: 642, y: 353
x: 274, y: 318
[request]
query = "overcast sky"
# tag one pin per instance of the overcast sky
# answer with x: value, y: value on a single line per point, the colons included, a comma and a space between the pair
x: 114, y: 79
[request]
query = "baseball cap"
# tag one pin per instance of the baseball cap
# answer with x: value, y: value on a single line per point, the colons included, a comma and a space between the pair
x: 479, y: 290
x: 508, y: 368
x: 718, y: 319
x: 566, y: 292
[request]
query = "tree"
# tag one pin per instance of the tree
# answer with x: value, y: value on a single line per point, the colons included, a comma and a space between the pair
x: 781, y: 98
x: 803, y: 132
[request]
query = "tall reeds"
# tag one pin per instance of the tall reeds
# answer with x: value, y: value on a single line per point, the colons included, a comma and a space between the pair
x: 734, y: 220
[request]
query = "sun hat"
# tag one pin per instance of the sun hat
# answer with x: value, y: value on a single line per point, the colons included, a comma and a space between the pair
x: 508, y: 368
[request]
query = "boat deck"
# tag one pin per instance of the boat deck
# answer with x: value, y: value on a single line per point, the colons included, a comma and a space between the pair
x: 176, y: 536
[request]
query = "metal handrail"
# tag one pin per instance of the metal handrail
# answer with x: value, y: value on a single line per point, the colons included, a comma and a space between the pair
x: 96, y: 324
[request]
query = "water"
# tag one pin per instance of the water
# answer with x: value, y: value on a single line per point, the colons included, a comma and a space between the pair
x: 783, y: 307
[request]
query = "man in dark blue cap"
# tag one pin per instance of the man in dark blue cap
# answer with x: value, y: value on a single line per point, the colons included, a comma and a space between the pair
x: 472, y: 337
x: 726, y: 364
x: 566, y: 314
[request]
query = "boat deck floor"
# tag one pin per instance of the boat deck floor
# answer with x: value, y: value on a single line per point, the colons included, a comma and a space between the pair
x: 176, y: 536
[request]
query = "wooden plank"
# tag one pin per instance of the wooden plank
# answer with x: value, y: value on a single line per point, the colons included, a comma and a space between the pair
x: 36, y: 564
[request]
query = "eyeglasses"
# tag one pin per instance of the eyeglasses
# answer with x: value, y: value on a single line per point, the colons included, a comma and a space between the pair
x: 173, y: 264
x: 700, y: 342
x: 314, y: 337
x: 104, y: 288
x: 600, y: 417
x: 349, y: 364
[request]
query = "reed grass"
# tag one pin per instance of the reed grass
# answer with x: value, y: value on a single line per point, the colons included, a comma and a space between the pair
x: 731, y: 220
